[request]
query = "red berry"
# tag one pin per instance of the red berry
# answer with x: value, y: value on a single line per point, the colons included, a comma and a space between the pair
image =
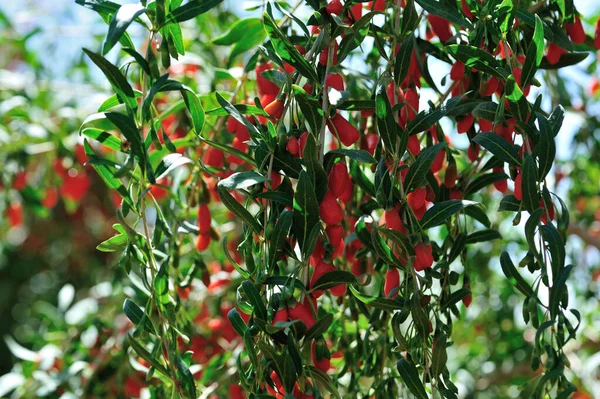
x: 438, y: 162
x: 466, y: 10
x: 597, y: 35
x: 450, y: 177
x: 75, y: 185
x: 343, y: 129
x: 335, y: 234
x: 518, y: 191
x: 393, y: 220
x: 392, y: 281
x: 416, y: 198
x: 202, y: 242
x: 575, y: 31
x: 20, y: 181
x: 334, y: 7
x: 324, y: 363
x: 467, y: 299
x: 440, y: 26
x: 330, y: 211
x: 302, y: 143
x: 50, y: 198
x: 214, y: 157
x: 323, y: 57
x: 547, y: 212
x: 292, y: 145
x: 335, y: 81
x: 280, y: 316
x: 413, y: 145
x: 423, y: 256
x: 204, y: 219
x: 338, y: 179
x: 485, y: 126
x: 473, y: 152
x: 464, y: 124
x: 457, y: 72
x: 303, y: 313
x: 14, y: 214
x: 554, y: 53
x: 265, y: 86
x: 275, y: 108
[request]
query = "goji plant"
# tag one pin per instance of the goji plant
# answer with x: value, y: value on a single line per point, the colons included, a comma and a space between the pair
x: 327, y: 181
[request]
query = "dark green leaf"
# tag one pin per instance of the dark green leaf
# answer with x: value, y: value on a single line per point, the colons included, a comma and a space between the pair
x: 306, y: 211
x: 513, y: 275
x: 231, y: 203
x: 442, y: 211
x: 445, y: 11
x: 501, y: 148
x: 415, y: 177
x: 483, y: 235
x: 409, y: 372
x: 242, y: 180
x: 190, y: 10
x: 119, y: 24
x: 479, y: 59
x: 531, y: 196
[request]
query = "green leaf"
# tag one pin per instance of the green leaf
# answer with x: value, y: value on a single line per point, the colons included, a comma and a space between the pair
x: 454, y: 298
x: 242, y: 180
x: 439, y: 357
x: 556, y: 119
x: 315, y: 168
x: 233, y: 111
x: 389, y: 305
x: 114, y: 243
x: 137, y: 315
x: 255, y: 299
x: 323, y: 381
x: 445, y: 11
x: 425, y: 119
x: 279, y: 235
x: 510, y: 203
x: 501, y: 148
x: 104, y: 137
x: 409, y: 372
x: 320, y: 328
x: 244, y: 34
x: 285, y: 49
x: 230, y: 150
x: 512, y: 91
x: 531, y: 197
x: 311, y: 109
x: 513, y: 275
x: 231, y: 203
x: 558, y: 289
x: 169, y: 163
x: 417, y: 172
x: 357, y: 155
x: 237, y: 322
x: 190, y: 10
x: 483, y: 181
x: 545, y: 149
x: 119, y: 24
x: 419, y: 316
x: 403, y: 57
x: 483, y: 235
x: 147, y: 356
x: 186, y: 379
x: 116, y: 79
x: 556, y: 246
x: 386, y: 123
x: 306, y: 211
x: 442, y: 211
x: 109, y: 177
x: 334, y: 278
x: 479, y: 59
x: 535, y: 52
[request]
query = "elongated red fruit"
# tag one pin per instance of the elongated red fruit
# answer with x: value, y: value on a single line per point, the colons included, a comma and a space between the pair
x: 335, y: 81
x: 275, y: 108
x: 450, y: 177
x: 416, y: 198
x: 597, y: 35
x: 202, y: 242
x: 340, y: 127
x: 265, y: 86
x: 330, y: 210
x: 464, y: 124
x: 554, y: 53
x: 423, y: 256
x: 467, y: 299
x: 204, y: 219
x: 280, y: 316
x: 292, y: 146
x: 393, y: 220
x: 338, y: 179
x: 518, y: 191
x: 440, y: 26
x: 50, y: 198
x: 14, y: 214
x: 324, y: 56
x: 392, y: 280
x: 334, y: 7
x: 457, y: 72
x: 214, y: 157
x: 575, y: 31
x: 20, y: 181
x: 413, y: 145
x: 468, y: 13
x: 324, y: 363
x: 303, y: 313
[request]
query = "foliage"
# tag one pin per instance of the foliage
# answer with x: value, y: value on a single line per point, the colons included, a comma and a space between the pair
x: 295, y: 228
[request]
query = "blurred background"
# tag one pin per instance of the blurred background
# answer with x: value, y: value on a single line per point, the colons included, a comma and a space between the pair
x: 55, y: 211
